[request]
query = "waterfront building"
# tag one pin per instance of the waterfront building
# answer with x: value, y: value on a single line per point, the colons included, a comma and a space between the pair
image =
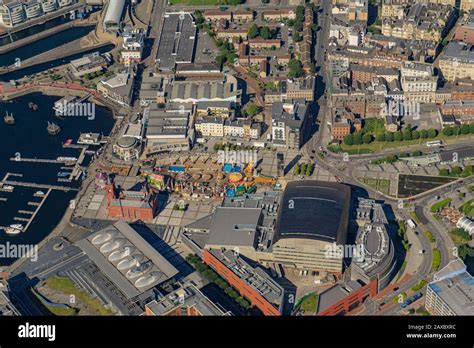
x: 14, y: 12
x: 113, y: 16
x: 118, y: 88
x: 132, y: 47
x: 88, y: 64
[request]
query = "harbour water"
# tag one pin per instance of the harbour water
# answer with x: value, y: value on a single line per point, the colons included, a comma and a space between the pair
x: 44, y: 45
x: 7, y: 38
x: 29, y: 138
x: 35, y: 69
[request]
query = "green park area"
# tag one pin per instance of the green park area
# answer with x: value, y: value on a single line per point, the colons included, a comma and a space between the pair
x: 468, y: 208
x: 382, y: 185
x: 436, y: 260
x: 440, y: 205
x: 65, y: 286
x: 205, y: 2
x: 309, y: 303
x: 374, y: 138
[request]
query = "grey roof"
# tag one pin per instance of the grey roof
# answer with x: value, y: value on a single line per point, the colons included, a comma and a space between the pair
x: 114, y: 12
x: 456, y: 288
x: 203, y: 105
x: 335, y: 294
x: 256, y: 277
x: 460, y: 51
x: 321, y: 210
x: 177, y: 40
x: 292, y: 119
x: 166, y: 121
x: 187, y: 296
x: 203, y: 223
x: 234, y: 226
x: 153, y: 263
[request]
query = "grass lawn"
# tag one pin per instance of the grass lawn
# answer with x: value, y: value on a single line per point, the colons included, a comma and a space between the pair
x: 429, y: 235
x: 419, y: 285
x: 382, y: 185
x: 196, y: 2
x: 309, y: 303
x: 66, y: 286
x: 439, y: 205
x: 436, y: 262
x: 457, y: 239
x: 59, y: 311
x: 415, y: 217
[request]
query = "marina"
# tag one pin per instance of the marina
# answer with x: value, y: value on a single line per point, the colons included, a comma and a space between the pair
x: 39, y: 197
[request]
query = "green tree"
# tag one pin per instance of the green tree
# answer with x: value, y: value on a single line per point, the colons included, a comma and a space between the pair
x: 251, y: 109
x: 367, y: 138
x: 456, y: 171
x: 456, y: 130
x: 357, y: 138
x: 266, y: 33
x: 432, y: 133
x: 398, y: 136
x: 423, y: 134
x: 389, y: 136
x: 349, y: 139
x: 407, y: 134
x: 381, y: 137
x: 303, y: 168
x: 296, y: 171
x: 309, y: 169
x: 295, y: 68
x: 444, y: 172
x: 199, y: 17
x: 448, y: 131
x: 465, y: 128
x: 253, y: 31
x: 471, y: 128
x: 415, y: 134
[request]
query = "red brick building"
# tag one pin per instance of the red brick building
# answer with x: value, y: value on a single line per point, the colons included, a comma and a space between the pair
x: 218, y: 263
x: 465, y: 33
x: 349, y: 297
x: 131, y: 205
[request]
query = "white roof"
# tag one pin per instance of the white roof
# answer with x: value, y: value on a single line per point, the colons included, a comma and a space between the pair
x: 114, y: 11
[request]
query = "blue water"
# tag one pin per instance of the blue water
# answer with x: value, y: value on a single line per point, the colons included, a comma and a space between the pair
x: 44, y: 45
x: 18, y: 74
x: 30, y: 138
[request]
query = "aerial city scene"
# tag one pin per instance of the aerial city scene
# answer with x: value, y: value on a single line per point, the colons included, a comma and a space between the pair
x: 236, y: 158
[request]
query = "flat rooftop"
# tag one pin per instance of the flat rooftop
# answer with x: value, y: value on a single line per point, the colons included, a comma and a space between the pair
x: 234, y: 226
x: 177, y: 40
x: 315, y: 210
x: 457, y: 292
x: 129, y: 261
x: 335, y: 294
x: 186, y: 297
x: 256, y: 277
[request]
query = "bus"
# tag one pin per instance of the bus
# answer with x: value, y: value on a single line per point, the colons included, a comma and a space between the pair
x: 411, y: 223
x: 434, y: 143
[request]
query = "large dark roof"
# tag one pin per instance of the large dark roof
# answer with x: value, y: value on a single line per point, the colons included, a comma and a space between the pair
x: 314, y: 210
